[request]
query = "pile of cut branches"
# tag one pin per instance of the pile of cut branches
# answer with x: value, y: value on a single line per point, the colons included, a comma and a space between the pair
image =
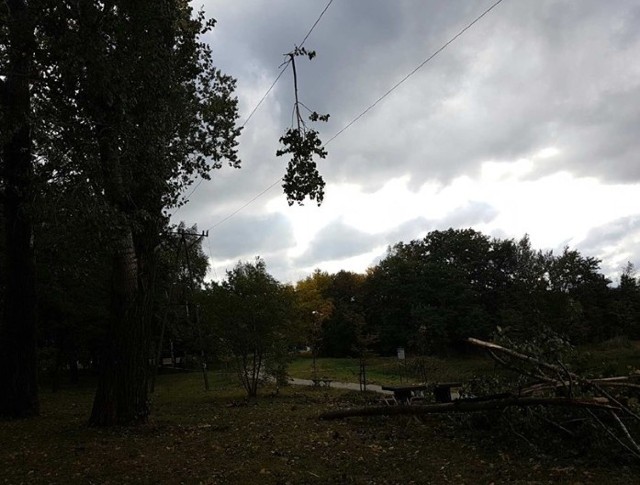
x: 609, y: 404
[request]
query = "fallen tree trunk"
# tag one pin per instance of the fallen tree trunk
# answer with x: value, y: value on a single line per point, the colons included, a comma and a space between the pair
x: 463, y: 406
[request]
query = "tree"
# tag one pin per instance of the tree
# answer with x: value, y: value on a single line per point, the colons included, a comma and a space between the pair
x: 625, y: 305
x: 344, y: 331
x: 578, y: 296
x: 70, y: 264
x: 136, y: 107
x: 432, y: 288
x: 252, y: 313
x: 313, y: 309
x: 120, y: 98
x: 18, y: 375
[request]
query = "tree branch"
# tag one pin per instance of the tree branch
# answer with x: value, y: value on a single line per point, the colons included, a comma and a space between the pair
x: 625, y: 431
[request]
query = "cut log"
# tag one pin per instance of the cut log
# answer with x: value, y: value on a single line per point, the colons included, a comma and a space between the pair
x: 462, y: 406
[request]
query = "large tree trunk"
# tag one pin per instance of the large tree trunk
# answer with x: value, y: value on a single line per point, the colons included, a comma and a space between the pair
x: 121, y: 397
x: 18, y: 359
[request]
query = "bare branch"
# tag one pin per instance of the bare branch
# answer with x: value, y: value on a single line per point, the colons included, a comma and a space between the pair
x: 568, y: 374
x: 612, y: 434
x: 519, y: 370
x: 625, y: 431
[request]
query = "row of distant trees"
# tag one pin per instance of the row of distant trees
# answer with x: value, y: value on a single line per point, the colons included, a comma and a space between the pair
x: 427, y: 296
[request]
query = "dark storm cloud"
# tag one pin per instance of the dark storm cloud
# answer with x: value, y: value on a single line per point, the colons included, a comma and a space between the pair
x: 469, y: 215
x: 337, y: 241
x: 623, y: 232
x: 247, y: 236
x: 529, y: 75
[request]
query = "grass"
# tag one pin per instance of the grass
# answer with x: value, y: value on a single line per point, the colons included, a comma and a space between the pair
x: 614, y: 357
x: 219, y: 437
x: 389, y: 370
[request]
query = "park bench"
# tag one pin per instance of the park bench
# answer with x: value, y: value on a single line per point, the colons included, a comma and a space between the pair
x: 404, y: 394
x: 321, y: 381
x: 446, y: 391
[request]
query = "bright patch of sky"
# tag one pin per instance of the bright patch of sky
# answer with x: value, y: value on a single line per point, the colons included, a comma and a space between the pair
x: 555, y: 210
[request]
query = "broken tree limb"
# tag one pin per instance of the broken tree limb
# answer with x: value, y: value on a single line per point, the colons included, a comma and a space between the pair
x: 462, y: 406
x: 538, y: 376
x: 587, y: 383
x: 512, y: 353
x: 625, y: 431
x: 612, y: 434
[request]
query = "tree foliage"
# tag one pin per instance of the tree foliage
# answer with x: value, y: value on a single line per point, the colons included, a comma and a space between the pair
x: 302, y: 177
x: 429, y: 295
x: 126, y: 107
x: 251, y: 312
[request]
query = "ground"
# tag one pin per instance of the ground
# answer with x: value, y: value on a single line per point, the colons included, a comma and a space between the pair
x: 217, y: 436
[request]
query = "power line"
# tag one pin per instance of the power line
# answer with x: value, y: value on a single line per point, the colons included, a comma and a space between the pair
x: 315, y: 23
x: 393, y: 88
x: 256, y: 197
x: 420, y: 66
x: 286, y: 64
x: 275, y: 81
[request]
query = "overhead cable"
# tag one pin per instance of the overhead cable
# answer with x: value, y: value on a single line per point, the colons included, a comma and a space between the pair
x: 393, y: 88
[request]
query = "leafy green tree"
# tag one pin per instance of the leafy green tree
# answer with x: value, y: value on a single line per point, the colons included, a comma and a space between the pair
x: 578, y: 297
x: 137, y: 108
x: 431, y: 288
x: 252, y: 313
x: 344, y: 332
x: 625, y: 305
x: 71, y: 286
x: 313, y: 308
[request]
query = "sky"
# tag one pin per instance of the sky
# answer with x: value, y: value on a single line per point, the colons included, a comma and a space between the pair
x: 528, y: 123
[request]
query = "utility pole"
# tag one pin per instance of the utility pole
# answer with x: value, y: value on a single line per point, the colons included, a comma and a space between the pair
x: 184, y: 244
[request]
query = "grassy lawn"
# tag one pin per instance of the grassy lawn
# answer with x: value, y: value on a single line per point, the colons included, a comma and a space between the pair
x: 389, y: 370
x: 218, y: 437
x: 608, y: 358
x: 614, y: 357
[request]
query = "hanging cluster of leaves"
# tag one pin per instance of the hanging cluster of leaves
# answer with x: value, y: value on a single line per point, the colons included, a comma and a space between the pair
x: 302, y: 177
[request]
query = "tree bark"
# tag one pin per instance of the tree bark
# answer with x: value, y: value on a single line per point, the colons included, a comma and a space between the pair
x: 121, y: 397
x: 18, y: 349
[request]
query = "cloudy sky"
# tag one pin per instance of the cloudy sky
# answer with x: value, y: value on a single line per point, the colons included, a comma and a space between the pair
x: 528, y: 123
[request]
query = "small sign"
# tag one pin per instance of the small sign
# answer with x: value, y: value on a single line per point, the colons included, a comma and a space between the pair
x: 401, y: 353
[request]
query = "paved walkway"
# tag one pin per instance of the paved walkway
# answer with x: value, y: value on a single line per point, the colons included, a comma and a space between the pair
x: 354, y: 386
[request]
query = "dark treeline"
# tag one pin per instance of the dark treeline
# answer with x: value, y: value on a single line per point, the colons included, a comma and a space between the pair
x: 428, y: 295
x: 108, y: 112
